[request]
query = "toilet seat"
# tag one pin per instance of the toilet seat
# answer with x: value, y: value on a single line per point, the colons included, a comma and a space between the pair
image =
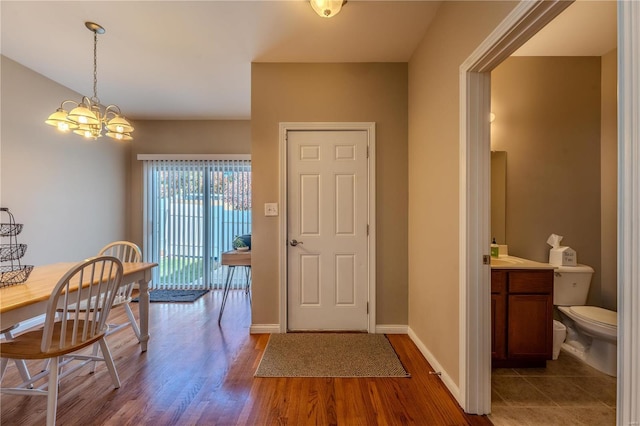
x: 596, y: 314
x: 593, y: 321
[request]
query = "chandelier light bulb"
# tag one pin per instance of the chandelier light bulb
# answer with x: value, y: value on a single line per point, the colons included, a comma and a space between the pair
x: 327, y: 8
x: 60, y: 121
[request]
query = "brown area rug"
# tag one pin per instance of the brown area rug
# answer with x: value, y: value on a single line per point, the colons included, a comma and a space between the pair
x: 330, y: 355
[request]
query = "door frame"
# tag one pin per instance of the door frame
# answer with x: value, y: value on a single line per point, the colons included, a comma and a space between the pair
x: 475, y: 95
x: 525, y: 19
x: 370, y: 128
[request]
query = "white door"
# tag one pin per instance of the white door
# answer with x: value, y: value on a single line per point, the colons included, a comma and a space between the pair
x: 327, y: 193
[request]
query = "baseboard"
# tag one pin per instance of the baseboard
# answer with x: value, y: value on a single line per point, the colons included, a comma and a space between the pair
x: 391, y: 329
x: 264, y: 329
x: 437, y: 367
x: 380, y: 329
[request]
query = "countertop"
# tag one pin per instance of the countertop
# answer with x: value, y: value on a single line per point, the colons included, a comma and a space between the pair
x: 512, y: 262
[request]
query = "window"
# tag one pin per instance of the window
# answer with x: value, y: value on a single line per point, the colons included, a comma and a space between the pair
x: 193, y: 208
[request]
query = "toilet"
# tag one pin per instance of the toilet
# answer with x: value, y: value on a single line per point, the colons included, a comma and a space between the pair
x: 592, y: 332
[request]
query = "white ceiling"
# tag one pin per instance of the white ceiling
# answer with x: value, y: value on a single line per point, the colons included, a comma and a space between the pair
x: 192, y: 59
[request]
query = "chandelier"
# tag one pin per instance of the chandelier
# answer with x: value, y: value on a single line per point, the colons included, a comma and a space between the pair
x: 327, y: 8
x: 88, y: 118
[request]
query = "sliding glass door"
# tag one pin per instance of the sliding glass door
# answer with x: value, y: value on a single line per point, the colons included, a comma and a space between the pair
x: 193, y: 210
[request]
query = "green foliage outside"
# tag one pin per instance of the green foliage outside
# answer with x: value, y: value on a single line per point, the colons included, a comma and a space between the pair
x: 180, y: 270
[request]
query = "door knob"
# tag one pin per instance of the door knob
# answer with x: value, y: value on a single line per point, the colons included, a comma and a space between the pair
x: 294, y: 243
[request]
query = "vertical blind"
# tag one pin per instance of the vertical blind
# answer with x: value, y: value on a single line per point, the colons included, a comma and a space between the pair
x: 193, y: 209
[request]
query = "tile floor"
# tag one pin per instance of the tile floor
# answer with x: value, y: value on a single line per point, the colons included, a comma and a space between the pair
x: 567, y: 392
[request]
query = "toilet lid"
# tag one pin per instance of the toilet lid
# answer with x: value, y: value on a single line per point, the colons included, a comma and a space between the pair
x: 597, y: 314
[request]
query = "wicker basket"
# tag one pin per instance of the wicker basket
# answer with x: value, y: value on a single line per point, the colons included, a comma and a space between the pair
x: 10, y: 275
x: 10, y: 229
x: 14, y: 273
x: 12, y: 251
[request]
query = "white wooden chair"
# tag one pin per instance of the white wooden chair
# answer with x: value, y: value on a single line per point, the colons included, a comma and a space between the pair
x: 92, y: 283
x: 127, y: 252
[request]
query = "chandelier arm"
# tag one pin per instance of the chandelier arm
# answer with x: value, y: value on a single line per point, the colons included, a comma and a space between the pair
x: 87, y: 100
x: 114, y: 109
x: 67, y: 102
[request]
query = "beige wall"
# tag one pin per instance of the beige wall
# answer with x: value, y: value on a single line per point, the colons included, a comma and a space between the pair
x: 548, y: 121
x: 179, y: 137
x: 332, y: 92
x: 69, y: 192
x: 434, y: 78
x: 609, y: 181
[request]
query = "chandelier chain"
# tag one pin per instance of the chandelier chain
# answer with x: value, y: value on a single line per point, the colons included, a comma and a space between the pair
x: 95, y: 65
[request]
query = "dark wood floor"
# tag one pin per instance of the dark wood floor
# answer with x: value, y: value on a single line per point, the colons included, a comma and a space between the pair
x: 196, y: 373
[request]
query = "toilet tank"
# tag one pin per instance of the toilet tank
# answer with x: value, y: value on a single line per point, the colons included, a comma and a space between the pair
x: 571, y: 285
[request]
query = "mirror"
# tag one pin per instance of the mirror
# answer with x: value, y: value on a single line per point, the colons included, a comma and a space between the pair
x: 499, y: 196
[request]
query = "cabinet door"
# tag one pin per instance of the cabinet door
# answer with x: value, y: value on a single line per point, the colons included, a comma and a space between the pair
x: 498, y: 326
x: 531, y: 282
x: 530, y: 328
x: 498, y: 314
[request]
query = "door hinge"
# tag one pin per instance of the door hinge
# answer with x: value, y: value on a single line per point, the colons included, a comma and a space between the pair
x: 367, y: 230
x: 367, y: 152
x: 367, y: 308
x: 486, y: 259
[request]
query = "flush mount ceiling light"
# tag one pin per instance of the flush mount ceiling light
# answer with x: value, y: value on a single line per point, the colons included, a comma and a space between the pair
x: 327, y: 8
x: 88, y: 118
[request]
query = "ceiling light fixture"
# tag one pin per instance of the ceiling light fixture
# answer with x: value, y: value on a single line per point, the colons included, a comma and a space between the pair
x: 327, y: 8
x: 88, y: 118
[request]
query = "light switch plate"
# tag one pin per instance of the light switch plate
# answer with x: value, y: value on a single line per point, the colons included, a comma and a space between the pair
x: 271, y: 209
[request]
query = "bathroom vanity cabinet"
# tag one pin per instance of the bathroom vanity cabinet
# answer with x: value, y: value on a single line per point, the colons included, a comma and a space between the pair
x: 521, y: 317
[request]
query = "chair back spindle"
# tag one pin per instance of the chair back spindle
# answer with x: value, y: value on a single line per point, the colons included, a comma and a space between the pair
x: 126, y: 251
x: 92, y: 284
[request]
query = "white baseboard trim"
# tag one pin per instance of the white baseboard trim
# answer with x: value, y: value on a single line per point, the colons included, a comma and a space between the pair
x: 446, y: 379
x: 264, y: 329
x: 380, y: 329
x: 391, y: 329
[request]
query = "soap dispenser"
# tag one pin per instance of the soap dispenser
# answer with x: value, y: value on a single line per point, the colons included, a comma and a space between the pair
x: 495, y: 249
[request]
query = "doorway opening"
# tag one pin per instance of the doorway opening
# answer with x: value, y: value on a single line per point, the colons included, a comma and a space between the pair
x: 475, y: 364
x: 526, y: 19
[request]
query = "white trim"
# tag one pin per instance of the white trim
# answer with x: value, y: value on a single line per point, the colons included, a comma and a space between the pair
x: 264, y: 329
x: 475, y: 99
x: 370, y: 128
x: 392, y: 329
x: 187, y: 157
x: 628, y: 409
x: 437, y: 368
x: 475, y: 300
x: 282, y: 229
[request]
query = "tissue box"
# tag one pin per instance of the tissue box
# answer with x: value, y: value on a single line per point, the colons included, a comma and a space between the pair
x: 563, y: 256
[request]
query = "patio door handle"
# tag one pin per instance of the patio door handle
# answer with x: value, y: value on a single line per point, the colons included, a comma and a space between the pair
x: 294, y: 243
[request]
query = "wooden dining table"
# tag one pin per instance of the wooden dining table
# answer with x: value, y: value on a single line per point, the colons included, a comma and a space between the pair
x: 21, y: 302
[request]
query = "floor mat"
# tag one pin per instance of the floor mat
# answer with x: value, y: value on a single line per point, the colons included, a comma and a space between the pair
x: 156, y: 296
